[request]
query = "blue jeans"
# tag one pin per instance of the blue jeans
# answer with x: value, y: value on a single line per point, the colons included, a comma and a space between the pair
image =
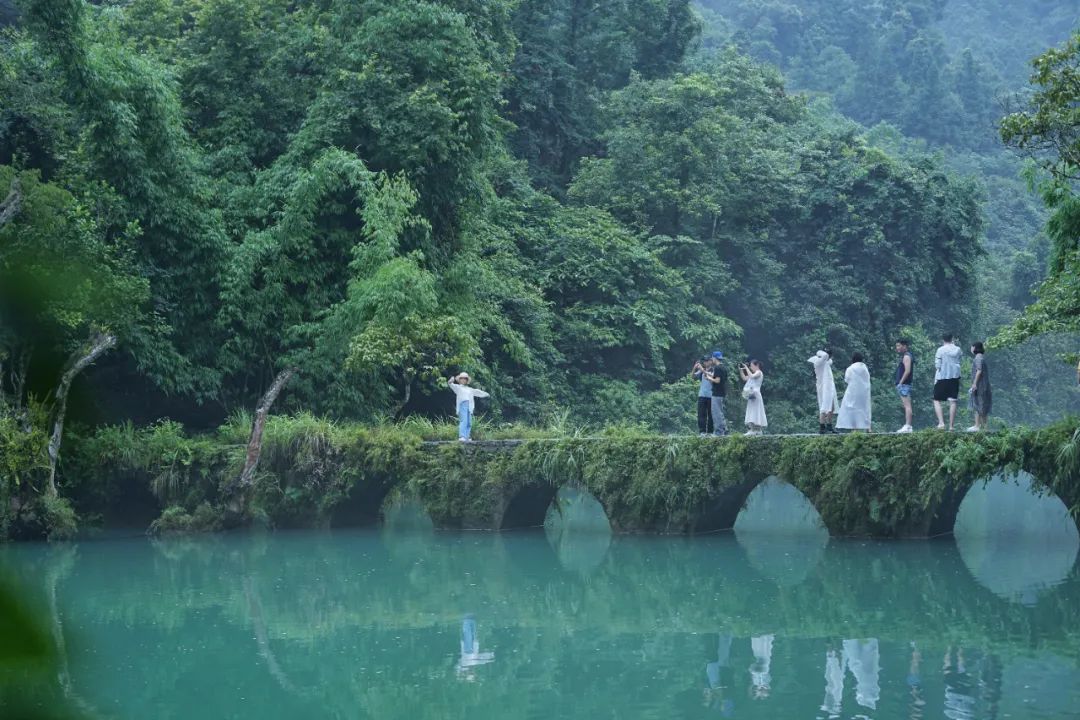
x: 464, y: 420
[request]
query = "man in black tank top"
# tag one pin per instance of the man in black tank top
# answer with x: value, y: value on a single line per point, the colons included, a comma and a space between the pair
x: 905, y: 371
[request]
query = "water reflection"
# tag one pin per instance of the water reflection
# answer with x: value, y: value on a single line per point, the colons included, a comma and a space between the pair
x: 720, y: 678
x: 834, y: 683
x: 761, y: 669
x: 471, y: 656
x: 862, y: 658
x: 781, y: 532
x: 1015, y: 543
x: 959, y: 703
x: 578, y: 528
x: 231, y: 626
x: 916, y: 703
x: 406, y: 515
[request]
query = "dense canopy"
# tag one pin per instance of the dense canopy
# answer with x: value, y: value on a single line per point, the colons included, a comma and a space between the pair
x: 572, y: 200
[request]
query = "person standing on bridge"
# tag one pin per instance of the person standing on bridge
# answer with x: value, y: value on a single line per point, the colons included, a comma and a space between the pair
x: 855, y: 410
x: 905, y: 371
x: 981, y: 398
x: 946, y: 380
x: 753, y: 377
x: 700, y: 372
x: 465, y: 397
x: 717, y: 375
x: 826, y: 390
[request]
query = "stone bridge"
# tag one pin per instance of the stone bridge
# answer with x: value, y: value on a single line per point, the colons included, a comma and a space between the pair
x: 907, y: 486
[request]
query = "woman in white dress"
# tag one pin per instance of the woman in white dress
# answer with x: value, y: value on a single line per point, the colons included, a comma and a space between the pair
x: 755, y: 407
x: 855, y: 408
x: 826, y: 390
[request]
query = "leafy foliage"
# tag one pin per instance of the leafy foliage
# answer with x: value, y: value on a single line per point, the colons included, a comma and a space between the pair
x: 314, y: 470
x: 571, y: 200
x: 1049, y: 130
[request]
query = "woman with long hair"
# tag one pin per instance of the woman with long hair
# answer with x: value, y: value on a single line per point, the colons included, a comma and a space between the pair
x: 753, y: 377
x: 981, y: 397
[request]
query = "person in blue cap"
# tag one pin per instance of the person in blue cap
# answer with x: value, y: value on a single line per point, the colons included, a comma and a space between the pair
x: 704, y: 400
x: 717, y: 375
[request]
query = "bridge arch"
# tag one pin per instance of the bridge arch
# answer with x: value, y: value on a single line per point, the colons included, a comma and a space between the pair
x: 778, y: 507
x: 1016, y: 538
x: 722, y: 510
x: 527, y: 507
x: 578, y: 529
x: 781, y: 532
x: 405, y: 513
x: 363, y: 507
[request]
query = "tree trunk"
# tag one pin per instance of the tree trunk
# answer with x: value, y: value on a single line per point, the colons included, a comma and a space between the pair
x: 56, y: 569
x: 254, y: 448
x: 12, y: 203
x: 79, y: 361
x: 399, y: 412
x: 18, y: 379
x: 262, y: 637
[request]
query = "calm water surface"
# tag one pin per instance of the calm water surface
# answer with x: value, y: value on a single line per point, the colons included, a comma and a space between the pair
x: 404, y: 622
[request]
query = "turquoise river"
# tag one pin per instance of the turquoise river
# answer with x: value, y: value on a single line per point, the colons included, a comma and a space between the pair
x: 773, y: 620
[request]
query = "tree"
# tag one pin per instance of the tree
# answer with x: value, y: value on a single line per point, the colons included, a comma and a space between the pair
x: 783, y: 225
x: 1048, y: 130
x: 130, y: 123
x: 68, y: 293
x: 571, y: 53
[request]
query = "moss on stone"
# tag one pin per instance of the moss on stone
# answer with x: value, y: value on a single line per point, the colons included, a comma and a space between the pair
x: 312, y: 469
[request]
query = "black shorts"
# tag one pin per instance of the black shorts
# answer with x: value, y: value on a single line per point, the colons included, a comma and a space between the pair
x: 947, y: 389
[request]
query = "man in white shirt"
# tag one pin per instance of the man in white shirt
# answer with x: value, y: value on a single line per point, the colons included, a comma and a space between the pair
x: 946, y: 379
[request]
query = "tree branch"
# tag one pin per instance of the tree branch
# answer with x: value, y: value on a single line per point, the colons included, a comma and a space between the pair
x: 79, y: 361
x: 254, y: 448
x: 12, y: 203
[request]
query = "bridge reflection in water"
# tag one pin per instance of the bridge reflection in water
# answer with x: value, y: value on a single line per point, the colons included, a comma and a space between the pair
x: 569, y: 622
x: 1015, y: 543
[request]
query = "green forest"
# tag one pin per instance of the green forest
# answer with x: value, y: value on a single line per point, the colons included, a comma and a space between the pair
x: 572, y: 200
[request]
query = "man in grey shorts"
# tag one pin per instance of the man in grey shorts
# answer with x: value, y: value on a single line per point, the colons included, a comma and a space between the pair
x: 946, y: 379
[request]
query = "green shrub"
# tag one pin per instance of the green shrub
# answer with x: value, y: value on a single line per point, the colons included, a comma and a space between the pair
x: 176, y: 520
x: 59, y: 518
x: 861, y: 484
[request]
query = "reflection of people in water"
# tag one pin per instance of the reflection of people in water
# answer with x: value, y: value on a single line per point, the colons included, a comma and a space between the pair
x: 862, y: 658
x: 471, y: 656
x: 760, y: 677
x: 914, y: 681
x: 720, y: 678
x: 990, y: 677
x: 959, y: 702
x: 834, y: 683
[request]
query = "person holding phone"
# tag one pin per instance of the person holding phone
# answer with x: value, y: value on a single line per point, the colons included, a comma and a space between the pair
x: 717, y: 375
x: 753, y: 377
x: 704, y: 398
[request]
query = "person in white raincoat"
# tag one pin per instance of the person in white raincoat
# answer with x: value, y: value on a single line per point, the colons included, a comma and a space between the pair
x: 826, y: 390
x: 855, y: 408
x: 465, y: 403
